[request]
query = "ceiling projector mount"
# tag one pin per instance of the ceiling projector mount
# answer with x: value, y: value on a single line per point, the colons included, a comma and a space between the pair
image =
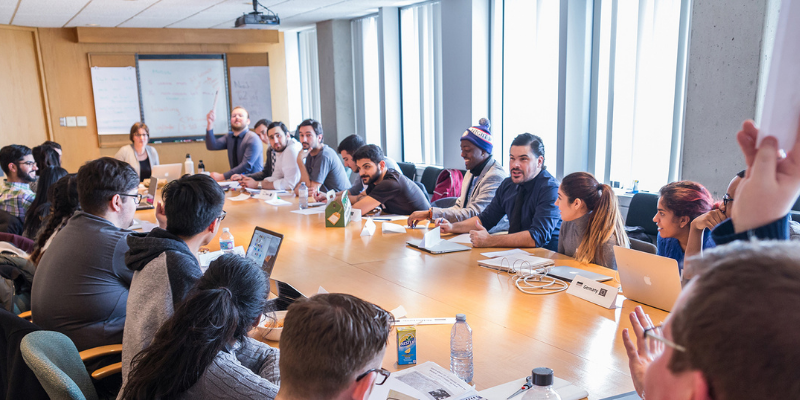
x: 257, y: 19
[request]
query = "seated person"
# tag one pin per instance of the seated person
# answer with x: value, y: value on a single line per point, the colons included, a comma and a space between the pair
x: 202, y: 351
x: 484, y: 175
x: 332, y: 346
x: 322, y: 171
x: 141, y: 156
x: 40, y: 207
x: 63, y: 199
x: 245, y: 152
x: 347, y: 147
x: 592, y: 224
x: 81, y: 284
x: 281, y: 171
x: 20, y: 169
x: 164, y: 262
x: 679, y: 204
x: 386, y: 188
x: 528, y: 199
x: 45, y: 155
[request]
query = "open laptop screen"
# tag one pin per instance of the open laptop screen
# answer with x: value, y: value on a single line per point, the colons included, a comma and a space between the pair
x: 263, y: 249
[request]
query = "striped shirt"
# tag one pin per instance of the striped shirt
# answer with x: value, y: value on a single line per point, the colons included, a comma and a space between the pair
x: 15, y: 198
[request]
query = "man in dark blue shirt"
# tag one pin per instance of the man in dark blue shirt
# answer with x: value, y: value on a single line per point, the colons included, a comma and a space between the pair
x: 527, y: 197
x: 245, y: 151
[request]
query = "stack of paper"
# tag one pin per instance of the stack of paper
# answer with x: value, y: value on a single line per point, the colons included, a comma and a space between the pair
x: 516, y: 262
x: 426, y: 381
x: 388, y: 227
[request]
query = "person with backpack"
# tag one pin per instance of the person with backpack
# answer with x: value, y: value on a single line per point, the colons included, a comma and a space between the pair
x: 484, y: 175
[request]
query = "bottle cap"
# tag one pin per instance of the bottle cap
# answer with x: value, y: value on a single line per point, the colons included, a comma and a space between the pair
x: 542, y: 376
x: 225, y: 230
x: 188, y: 156
x: 461, y: 317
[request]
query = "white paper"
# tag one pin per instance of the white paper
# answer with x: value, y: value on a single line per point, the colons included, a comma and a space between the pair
x: 505, y: 253
x: 400, y: 321
x: 780, y: 111
x: 322, y: 290
x: 148, y: 226
x: 116, y: 99
x: 205, y: 259
x: 462, y: 238
x: 431, y: 239
x: 369, y: 228
x: 388, y: 227
x: 241, y: 197
x: 399, y: 312
x: 566, y: 390
x: 309, y: 211
x: 592, y: 291
x: 277, y: 202
x: 264, y: 195
x: 422, y: 380
x: 419, y: 226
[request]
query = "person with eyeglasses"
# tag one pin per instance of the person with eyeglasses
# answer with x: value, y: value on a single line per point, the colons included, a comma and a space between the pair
x: 332, y: 346
x: 163, y: 261
x: 20, y: 169
x: 81, y: 283
x: 202, y: 351
x: 141, y: 156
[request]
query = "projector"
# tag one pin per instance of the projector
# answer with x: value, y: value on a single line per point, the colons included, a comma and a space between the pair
x: 257, y: 20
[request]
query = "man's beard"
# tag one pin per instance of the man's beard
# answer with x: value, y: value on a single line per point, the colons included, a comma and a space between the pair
x: 27, y: 178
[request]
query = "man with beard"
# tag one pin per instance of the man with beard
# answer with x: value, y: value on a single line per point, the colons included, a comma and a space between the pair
x: 527, y: 197
x: 386, y: 188
x: 20, y: 170
x: 245, y: 152
x: 282, y: 171
x: 322, y: 171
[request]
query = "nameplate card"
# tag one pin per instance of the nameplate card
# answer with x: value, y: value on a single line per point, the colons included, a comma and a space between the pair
x: 590, y: 290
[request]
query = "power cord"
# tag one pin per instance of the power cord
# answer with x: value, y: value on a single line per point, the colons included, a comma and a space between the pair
x: 530, y: 279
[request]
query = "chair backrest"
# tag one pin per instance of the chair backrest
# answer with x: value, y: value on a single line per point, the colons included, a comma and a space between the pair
x: 641, y: 211
x: 444, y: 202
x: 55, y: 360
x: 408, y: 169
x: 422, y: 187
x: 639, y: 245
x: 10, y: 223
x: 429, y: 176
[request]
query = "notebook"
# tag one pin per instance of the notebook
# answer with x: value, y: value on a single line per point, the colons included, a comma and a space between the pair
x: 647, y: 278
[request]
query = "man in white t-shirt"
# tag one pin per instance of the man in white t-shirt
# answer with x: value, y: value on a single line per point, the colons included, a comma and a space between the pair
x: 281, y: 171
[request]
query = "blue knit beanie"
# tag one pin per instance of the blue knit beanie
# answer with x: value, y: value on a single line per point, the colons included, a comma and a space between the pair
x: 480, y: 135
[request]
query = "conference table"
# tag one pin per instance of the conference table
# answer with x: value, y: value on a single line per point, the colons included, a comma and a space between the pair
x: 513, y: 332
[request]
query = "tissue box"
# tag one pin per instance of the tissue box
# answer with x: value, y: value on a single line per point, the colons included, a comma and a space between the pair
x: 337, y: 213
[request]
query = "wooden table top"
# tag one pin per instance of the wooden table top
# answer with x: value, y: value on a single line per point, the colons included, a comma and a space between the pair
x: 513, y: 332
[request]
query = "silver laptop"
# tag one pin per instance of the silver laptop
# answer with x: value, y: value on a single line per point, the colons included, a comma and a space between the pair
x: 647, y: 278
x: 167, y: 172
x: 567, y: 274
x: 442, y: 247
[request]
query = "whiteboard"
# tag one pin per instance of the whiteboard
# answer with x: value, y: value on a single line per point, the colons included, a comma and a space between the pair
x: 116, y: 99
x: 177, y: 92
x: 250, y: 89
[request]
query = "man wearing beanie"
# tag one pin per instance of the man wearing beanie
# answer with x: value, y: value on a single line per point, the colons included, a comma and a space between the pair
x: 484, y: 175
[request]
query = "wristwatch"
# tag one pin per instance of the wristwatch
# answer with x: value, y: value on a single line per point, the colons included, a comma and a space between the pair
x: 259, y: 185
x: 430, y: 214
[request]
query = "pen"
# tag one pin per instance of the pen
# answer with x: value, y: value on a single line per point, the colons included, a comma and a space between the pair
x: 527, y: 385
x: 381, y: 219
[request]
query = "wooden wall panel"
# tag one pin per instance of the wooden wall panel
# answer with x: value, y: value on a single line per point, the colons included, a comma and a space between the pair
x: 23, y: 115
x: 66, y: 66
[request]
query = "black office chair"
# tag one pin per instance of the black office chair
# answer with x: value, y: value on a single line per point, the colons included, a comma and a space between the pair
x: 641, y: 211
x: 643, y: 246
x: 408, y: 169
x: 422, y: 187
x: 11, y: 223
x: 429, y: 177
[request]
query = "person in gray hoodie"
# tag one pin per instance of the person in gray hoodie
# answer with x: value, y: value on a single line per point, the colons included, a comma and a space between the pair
x: 163, y: 261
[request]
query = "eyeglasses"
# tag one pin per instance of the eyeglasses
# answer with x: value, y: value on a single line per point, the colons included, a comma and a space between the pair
x: 380, y: 379
x: 654, y: 334
x: 140, y: 134
x: 137, y: 198
x: 726, y: 199
x: 222, y: 216
x: 28, y: 163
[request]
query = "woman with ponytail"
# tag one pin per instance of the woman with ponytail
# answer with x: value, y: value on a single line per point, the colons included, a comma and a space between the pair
x: 678, y: 206
x: 203, y: 351
x: 592, y: 222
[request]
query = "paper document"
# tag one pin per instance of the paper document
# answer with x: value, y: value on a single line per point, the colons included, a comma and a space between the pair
x: 505, y: 253
x: 431, y: 239
x: 427, y: 381
x: 400, y: 321
x: 388, y: 227
x: 277, y: 202
x: 369, y: 228
x: 241, y: 197
x: 309, y: 211
x: 399, y: 312
x: 205, y: 259
x: 462, y: 238
x: 566, y: 390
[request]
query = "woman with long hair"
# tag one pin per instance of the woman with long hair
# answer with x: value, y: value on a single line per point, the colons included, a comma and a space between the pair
x: 40, y: 207
x: 592, y: 224
x: 203, y: 351
x: 679, y: 204
x: 63, y: 199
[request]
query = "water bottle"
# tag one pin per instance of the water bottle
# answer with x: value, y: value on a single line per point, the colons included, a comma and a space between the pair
x: 303, y: 195
x: 461, y: 349
x: 188, y: 165
x: 226, y: 241
x: 542, y: 388
x: 201, y: 167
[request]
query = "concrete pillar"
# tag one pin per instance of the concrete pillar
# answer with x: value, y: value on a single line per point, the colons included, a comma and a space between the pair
x: 389, y: 76
x: 335, y: 54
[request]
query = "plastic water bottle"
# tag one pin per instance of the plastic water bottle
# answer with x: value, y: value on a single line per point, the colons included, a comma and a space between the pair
x: 461, y: 349
x: 226, y: 241
x: 542, y: 388
x: 303, y: 196
x: 201, y: 167
x: 188, y: 165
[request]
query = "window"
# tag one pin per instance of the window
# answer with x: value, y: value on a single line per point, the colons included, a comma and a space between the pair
x: 421, y: 71
x: 309, y: 74
x: 366, y: 78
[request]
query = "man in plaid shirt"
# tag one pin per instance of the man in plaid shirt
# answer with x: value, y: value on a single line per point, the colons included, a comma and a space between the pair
x: 20, y: 169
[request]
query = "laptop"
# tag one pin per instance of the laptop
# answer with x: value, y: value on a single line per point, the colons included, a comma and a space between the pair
x: 647, y: 278
x: 263, y: 250
x: 167, y: 172
x: 440, y: 248
x: 149, y: 198
x: 567, y: 274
